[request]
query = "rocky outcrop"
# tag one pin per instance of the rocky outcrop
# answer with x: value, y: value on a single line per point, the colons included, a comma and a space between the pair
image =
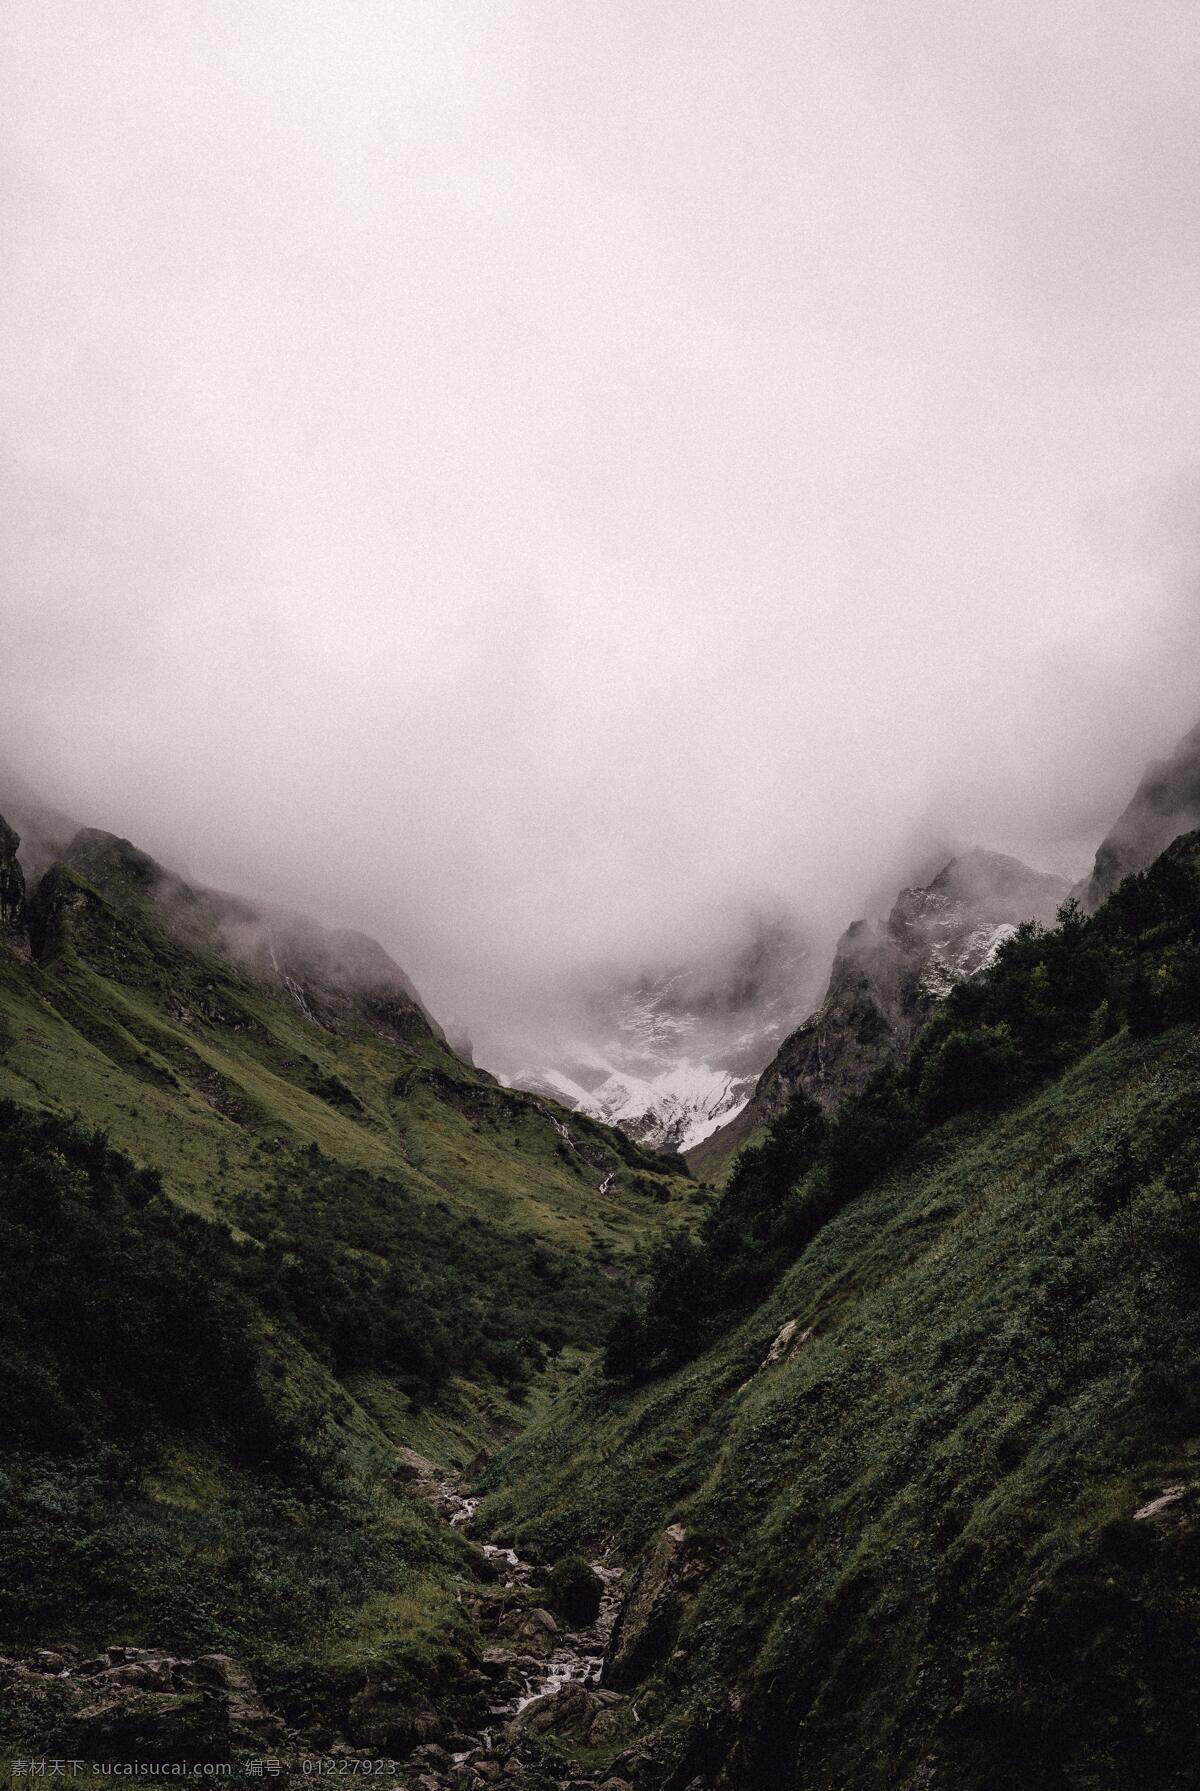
x: 648, y: 1619
x: 1165, y: 804
x: 64, y: 910
x: 135, y: 1703
x: 888, y: 975
x: 12, y: 888
x: 789, y: 1342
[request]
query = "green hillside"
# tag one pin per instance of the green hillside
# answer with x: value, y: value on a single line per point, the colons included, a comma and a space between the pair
x: 947, y: 1536
x: 129, y: 1015
x: 259, y: 1227
x: 900, y: 1434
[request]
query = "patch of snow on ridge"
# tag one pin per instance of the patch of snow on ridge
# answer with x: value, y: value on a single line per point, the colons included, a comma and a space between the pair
x: 673, y: 1110
x: 974, y: 954
x: 704, y: 1128
x: 671, y: 1057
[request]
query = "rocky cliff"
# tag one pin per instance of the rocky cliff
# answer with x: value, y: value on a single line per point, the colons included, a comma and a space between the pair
x: 1165, y: 804
x: 12, y: 886
x: 888, y: 975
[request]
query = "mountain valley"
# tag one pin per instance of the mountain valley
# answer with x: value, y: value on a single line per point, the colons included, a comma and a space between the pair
x: 362, y: 1407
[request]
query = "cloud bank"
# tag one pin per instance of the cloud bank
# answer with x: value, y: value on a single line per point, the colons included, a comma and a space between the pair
x: 540, y: 481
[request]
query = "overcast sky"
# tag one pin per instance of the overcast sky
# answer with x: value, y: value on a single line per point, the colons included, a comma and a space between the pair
x: 532, y: 479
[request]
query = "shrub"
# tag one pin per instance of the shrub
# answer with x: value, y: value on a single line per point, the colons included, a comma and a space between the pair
x: 973, y: 1067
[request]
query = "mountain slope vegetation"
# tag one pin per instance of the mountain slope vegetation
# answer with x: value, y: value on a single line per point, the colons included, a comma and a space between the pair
x: 261, y: 1231
x: 917, y: 1494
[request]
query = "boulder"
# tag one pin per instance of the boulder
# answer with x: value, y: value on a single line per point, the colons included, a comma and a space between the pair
x: 571, y: 1707
x: 50, y: 1660
x: 607, y: 1725
x: 574, y: 1591
x: 1168, y: 1502
x: 225, y: 1674
x: 644, y: 1632
x: 411, y: 1466
x: 150, y: 1675
x: 383, y: 1719
x: 129, y: 1723
x: 432, y: 1755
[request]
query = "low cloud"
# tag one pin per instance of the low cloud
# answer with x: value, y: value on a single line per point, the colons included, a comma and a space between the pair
x: 540, y: 484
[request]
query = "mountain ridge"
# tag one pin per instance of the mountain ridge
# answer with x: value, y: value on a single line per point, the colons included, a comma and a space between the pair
x: 886, y: 977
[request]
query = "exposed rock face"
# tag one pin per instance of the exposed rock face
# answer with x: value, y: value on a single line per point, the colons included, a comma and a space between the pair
x: 117, y: 906
x: 1166, y: 804
x: 65, y: 910
x: 648, y: 1620
x: 789, y: 1342
x: 888, y: 975
x: 12, y: 886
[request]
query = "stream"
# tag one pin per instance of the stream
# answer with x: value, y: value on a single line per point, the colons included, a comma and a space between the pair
x: 523, y: 1676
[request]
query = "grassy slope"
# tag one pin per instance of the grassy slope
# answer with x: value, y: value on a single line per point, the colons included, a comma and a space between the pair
x: 175, y: 1471
x: 219, y: 1080
x: 215, y: 1078
x: 914, y: 1535
x: 714, y: 1157
x: 202, y: 1101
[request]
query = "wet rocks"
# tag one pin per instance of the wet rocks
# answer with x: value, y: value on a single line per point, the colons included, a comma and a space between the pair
x: 571, y: 1707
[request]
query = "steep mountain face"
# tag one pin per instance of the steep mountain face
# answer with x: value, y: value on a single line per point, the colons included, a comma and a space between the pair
x: 12, y: 886
x: 671, y: 1057
x: 1165, y: 804
x: 888, y: 975
x: 335, y: 978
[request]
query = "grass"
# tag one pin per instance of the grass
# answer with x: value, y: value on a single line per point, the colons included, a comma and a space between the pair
x: 899, y: 1527
x: 371, y: 1152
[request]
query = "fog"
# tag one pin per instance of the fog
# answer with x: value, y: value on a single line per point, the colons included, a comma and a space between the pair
x: 543, y: 482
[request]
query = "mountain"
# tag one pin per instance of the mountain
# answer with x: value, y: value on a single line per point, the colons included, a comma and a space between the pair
x: 197, y: 1023
x: 670, y: 1057
x: 877, y: 1469
x: 263, y: 1235
x: 1165, y: 804
x: 887, y: 977
x: 902, y: 1444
